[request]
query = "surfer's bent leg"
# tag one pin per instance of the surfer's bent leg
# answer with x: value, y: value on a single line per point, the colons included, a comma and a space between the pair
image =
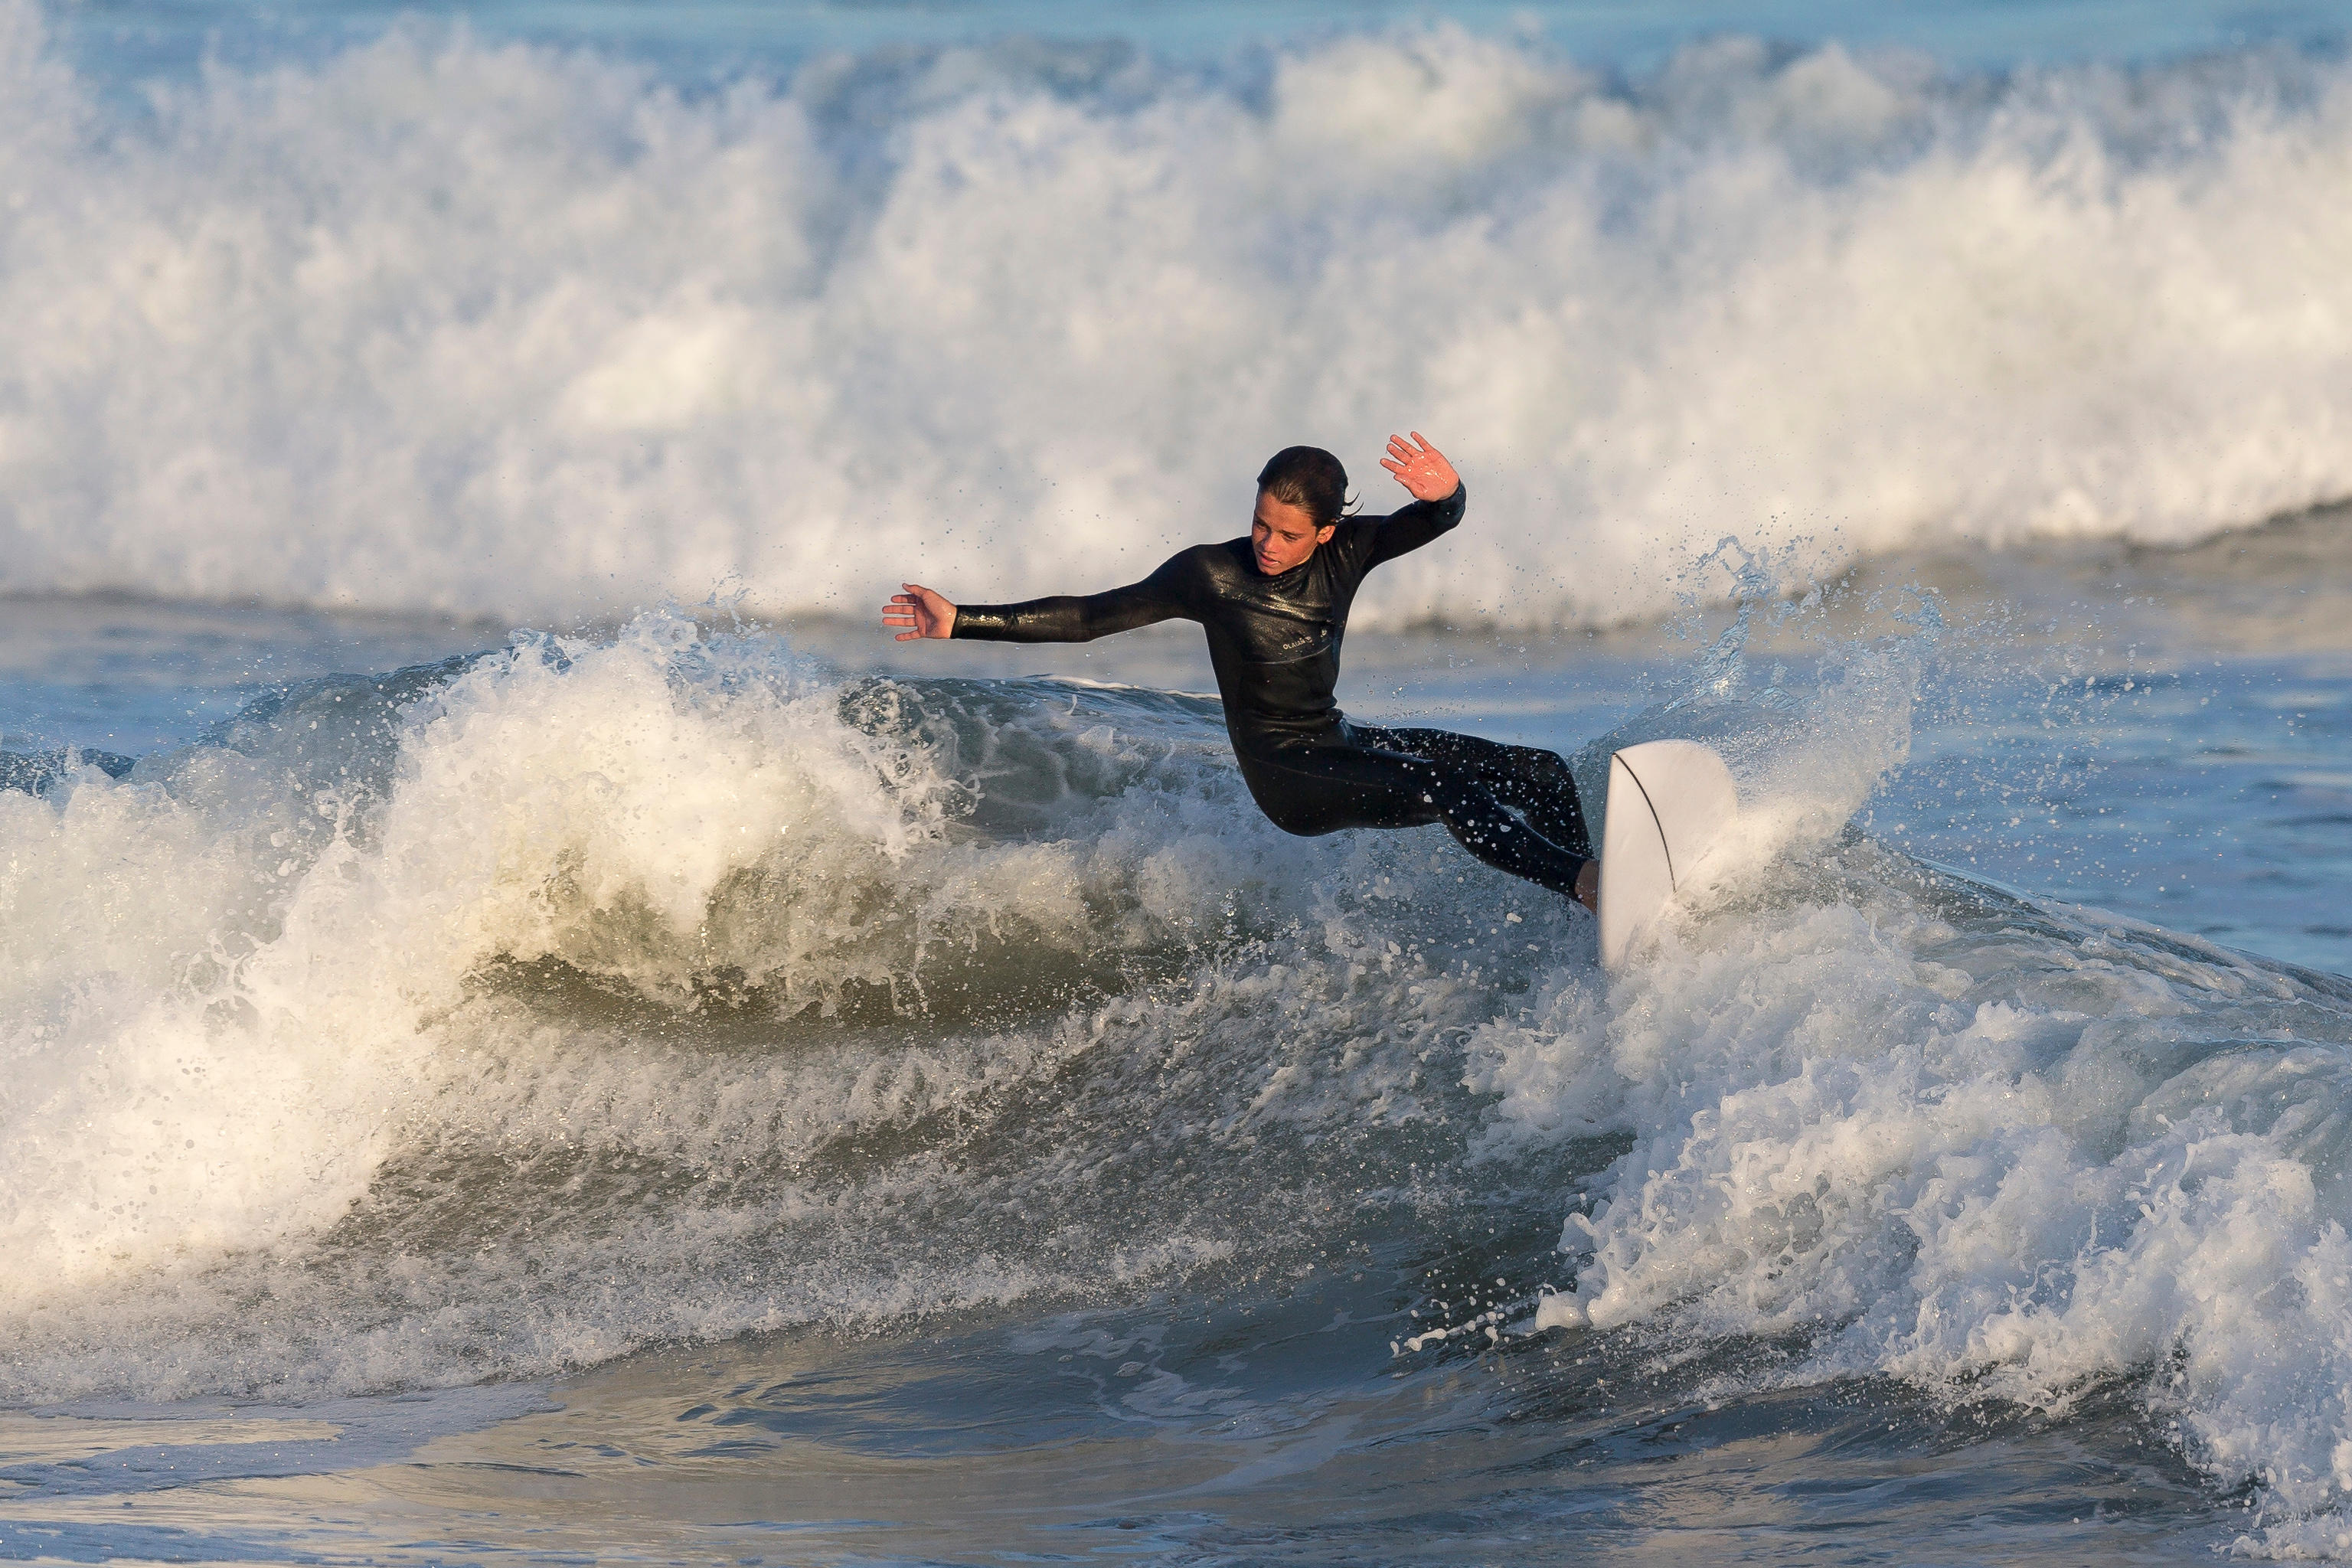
x: 1533, y: 782
x: 1366, y: 783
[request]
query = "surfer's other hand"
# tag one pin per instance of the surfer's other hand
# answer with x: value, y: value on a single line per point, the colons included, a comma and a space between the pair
x: 920, y: 612
x: 1421, y: 468
x: 1588, y: 885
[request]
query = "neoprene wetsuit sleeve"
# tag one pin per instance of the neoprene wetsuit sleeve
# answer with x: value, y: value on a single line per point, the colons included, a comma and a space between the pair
x: 1067, y: 617
x: 1415, y: 526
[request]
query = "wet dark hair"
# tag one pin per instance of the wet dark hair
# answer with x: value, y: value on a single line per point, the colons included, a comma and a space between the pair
x: 1308, y: 477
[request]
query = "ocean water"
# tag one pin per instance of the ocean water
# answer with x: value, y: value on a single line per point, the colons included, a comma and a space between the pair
x: 532, y: 1032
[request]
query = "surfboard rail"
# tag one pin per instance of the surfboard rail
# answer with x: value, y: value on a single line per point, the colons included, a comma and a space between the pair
x: 1669, y: 802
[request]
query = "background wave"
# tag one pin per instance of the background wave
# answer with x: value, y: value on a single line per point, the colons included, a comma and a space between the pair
x: 500, y: 329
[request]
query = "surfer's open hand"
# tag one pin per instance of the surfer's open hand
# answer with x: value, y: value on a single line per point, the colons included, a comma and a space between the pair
x: 928, y: 614
x: 1421, y: 468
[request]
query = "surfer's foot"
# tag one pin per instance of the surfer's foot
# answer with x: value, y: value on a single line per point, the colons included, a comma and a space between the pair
x: 1588, y: 885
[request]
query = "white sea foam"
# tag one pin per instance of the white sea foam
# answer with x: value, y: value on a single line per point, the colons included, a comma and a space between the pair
x: 292, y: 1014
x: 514, y: 1013
x: 508, y: 1018
x: 2000, y: 1155
x: 437, y: 324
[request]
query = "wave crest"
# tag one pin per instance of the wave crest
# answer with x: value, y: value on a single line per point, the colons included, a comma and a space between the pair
x: 438, y: 324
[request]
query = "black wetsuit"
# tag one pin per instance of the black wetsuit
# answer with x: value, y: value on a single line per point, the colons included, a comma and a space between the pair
x: 1274, y: 642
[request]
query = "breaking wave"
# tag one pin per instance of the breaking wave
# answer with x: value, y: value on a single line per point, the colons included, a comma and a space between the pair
x: 438, y: 324
x: 508, y: 1015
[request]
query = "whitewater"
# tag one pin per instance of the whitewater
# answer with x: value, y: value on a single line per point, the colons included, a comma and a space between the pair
x: 441, y: 323
x: 529, y: 1030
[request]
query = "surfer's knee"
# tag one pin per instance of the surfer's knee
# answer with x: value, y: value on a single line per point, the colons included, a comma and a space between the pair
x: 1297, y: 824
x: 1549, y: 765
x: 1300, y: 818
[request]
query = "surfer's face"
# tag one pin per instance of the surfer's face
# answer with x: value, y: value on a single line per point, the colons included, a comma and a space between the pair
x: 1283, y: 536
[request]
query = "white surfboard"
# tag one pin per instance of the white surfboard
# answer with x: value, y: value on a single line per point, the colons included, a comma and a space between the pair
x: 1669, y: 801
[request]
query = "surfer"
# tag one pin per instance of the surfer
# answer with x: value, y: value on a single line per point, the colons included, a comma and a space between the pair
x: 1274, y: 605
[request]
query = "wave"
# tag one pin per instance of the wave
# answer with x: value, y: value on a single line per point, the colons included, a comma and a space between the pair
x: 438, y: 324
x: 508, y: 1015
x: 2017, y: 1157
x: 669, y: 952
x: 686, y: 973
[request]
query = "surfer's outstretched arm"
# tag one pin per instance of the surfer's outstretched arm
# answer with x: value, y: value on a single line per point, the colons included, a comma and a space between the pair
x: 920, y: 612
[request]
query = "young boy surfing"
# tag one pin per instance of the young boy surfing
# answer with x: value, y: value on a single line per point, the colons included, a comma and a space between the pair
x: 1274, y: 605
